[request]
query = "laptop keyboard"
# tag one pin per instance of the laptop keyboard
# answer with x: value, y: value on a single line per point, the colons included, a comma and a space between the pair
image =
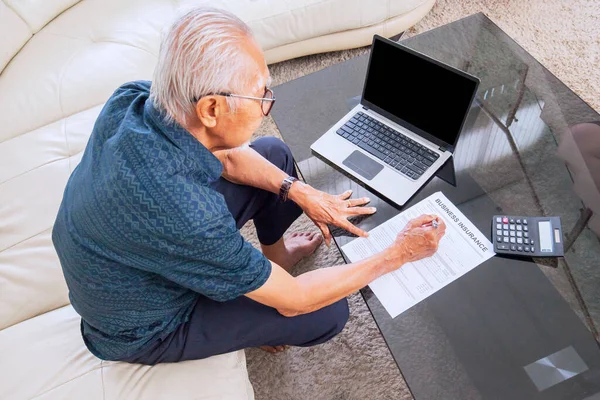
x: 390, y: 146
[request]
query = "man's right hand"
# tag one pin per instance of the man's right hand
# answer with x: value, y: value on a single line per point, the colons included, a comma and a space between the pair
x: 324, y: 286
x: 419, y: 238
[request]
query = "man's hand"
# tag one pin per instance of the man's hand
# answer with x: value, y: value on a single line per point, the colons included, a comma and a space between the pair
x: 323, y: 208
x: 419, y: 238
x: 316, y: 289
x: 320, y: 207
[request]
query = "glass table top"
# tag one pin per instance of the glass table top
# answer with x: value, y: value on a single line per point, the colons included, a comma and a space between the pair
x: 526, y: 149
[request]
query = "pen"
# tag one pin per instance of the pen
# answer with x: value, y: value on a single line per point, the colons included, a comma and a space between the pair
x: 433, y: 223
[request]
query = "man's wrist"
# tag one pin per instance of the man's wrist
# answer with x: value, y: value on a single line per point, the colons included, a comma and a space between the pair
x: 393, y: 258
x: 298, y: 192
x: 286, y: 185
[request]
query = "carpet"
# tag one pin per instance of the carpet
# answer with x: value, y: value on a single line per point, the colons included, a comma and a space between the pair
x: 562, y: 35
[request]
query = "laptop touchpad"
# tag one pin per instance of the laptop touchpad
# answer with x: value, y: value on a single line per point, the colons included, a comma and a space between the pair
x: 362, y: 165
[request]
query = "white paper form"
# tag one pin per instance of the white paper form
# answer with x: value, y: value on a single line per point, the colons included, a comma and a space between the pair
x: 462, y: 248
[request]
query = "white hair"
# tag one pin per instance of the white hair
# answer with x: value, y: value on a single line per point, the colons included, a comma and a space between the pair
x: 200, y: 55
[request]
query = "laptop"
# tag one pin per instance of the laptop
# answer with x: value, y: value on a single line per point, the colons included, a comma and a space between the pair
x: 406, y: 125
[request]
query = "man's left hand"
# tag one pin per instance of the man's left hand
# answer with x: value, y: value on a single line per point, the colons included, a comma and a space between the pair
x: 323, y: 208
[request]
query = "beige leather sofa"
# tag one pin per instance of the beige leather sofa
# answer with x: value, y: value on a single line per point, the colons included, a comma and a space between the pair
x: 59, y: 62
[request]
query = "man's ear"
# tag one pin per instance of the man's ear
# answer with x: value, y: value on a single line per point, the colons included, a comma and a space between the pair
x: 208, y: 109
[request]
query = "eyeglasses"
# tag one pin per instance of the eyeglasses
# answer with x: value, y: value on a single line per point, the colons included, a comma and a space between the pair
x: 266, y: 102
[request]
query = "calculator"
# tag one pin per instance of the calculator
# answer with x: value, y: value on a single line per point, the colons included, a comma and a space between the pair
x: 527, y: 236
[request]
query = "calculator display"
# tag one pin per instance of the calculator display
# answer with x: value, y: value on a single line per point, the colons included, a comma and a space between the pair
x: 545, y: 231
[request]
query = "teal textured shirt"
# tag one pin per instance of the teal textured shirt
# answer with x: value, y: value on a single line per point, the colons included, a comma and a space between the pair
x: 140, y: 233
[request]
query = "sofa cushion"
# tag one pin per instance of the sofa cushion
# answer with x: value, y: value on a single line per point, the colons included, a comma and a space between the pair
x: 37, y: 13
x: 277, y: 23
x: 14, y: 33
x: 34, y: 168
x: 356, y: 37
x: 45, y: 356
x: 31, y: 280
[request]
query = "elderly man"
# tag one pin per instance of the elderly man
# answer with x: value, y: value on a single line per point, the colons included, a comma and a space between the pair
x: 148, y: 229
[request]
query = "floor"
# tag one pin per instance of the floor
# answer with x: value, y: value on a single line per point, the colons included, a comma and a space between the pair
x: 562, y: 35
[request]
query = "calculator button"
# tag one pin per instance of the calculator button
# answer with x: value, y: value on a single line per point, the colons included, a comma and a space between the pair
x: 505, y: 239
x: 499, y: 239
x: 499, y: 233
x: 519, y: 240
x: 519, y: 227
x: 512, y: 233
x: 526, y: 234
x: 512, y: 220
x: 502, y: 246
x: 512, y: 240
x: 525, y: 228
x: 524, y: 222
x: 531, y: 241
x: 505, y: 233
x: 518, y: 221
x: 499, y: 219
x: 519, y: 248
x: 526, y: 249
x: 513, y: 247
x: 498, y: 226
x: 519, y: 234
x: 526, y: 241
x: 512, y: 227
x: 505, y: 220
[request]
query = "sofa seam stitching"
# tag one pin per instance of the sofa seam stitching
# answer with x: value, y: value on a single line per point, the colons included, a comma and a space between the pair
x: 62, y: 77
x: 35, y: 316
x: 51, y: 122
x: 114, y: 42
x: 64, y: 383
x: 64, y: 126
x: 43, y: 165
x: 24, y: 240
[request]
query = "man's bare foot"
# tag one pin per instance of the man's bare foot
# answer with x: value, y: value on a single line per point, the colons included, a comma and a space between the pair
x: 273, y: 349
x: 286, y: 252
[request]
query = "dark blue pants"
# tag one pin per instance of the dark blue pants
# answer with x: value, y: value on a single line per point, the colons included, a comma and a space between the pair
x: 217, y: 328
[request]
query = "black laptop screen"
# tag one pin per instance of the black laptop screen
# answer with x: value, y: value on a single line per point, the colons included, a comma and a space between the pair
x: 428, y: 96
